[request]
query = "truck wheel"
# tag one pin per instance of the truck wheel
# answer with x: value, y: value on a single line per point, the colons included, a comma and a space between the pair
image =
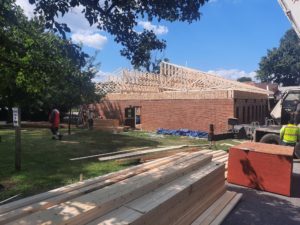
x: 297, y: 151
x: 271, y: 139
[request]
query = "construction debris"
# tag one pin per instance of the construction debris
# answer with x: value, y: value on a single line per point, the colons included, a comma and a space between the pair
x: 172, y: 190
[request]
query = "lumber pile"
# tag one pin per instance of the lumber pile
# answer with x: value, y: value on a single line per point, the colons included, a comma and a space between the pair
x: 111, y: 125
x: 154, y: 153
x: 261, y: 166
x: 178, y: 189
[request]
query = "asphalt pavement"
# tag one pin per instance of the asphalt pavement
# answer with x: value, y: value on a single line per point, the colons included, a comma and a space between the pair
x: 263, y: 208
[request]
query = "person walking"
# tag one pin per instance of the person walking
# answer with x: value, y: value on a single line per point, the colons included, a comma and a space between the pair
x: 54, y: 119
x: 290, y: 134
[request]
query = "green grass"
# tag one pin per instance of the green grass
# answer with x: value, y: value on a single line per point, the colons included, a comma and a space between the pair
x: 46, y: 164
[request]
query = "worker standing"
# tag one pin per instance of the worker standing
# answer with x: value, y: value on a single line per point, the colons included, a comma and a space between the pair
x: 290, y: 134
x: 54, y: 119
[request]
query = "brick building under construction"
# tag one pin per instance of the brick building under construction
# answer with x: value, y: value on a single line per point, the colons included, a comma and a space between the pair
x: 180, y: 97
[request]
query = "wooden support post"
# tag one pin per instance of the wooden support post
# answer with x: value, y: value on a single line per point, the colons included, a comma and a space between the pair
x: 211, y: 136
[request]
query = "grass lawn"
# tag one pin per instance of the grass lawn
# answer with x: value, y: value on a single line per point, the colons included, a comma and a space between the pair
x: 46, y: 164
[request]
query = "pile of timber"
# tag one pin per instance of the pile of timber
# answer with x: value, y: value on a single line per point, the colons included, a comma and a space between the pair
x: 186, y: 188
x: 111, y: 125
x: 151, y: 154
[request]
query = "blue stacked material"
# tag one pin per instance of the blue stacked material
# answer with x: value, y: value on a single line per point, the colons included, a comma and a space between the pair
x: 183, y: 132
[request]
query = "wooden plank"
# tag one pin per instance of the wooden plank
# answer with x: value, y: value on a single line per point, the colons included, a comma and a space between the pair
x: 140, y: 153
x: 206, y: 195
x: 148, y: 157
x: 221, y: 160
x: 190, y: 215
x: 229, y: 207
x: 26, y: 203
x: 121, y: 175
x: 84, y: 208
x: 215, y: 209
x: 109, y: 154
x: 162, y: 200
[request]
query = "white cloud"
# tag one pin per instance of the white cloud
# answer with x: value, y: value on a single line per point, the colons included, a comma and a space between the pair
x: 233, y: 74
x: 27, y: 7
x: 81, y: 31
x: 157, y: 29
x: 93, y: 40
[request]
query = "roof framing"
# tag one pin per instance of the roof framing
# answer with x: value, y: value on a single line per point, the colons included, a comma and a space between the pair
x: 171, y: 78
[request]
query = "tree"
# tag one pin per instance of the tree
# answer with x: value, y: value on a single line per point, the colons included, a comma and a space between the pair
x: 282, y: 64
x: 119, y: 18
x: 244, y: 79
x: 37, y: 68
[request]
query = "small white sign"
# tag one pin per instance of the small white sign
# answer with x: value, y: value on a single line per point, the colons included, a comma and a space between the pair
x: 16, y: 117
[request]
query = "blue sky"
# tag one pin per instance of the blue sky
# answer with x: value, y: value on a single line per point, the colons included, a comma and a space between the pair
x: 228, y: 40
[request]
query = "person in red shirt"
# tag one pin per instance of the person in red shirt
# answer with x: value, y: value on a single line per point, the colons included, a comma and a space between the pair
x: 54, y: 119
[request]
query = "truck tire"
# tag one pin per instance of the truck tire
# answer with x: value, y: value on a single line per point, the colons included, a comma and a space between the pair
x: 271, y: 139
x: 297, y: 151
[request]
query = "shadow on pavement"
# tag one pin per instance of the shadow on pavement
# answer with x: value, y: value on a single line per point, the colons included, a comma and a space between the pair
x: 262, y: 208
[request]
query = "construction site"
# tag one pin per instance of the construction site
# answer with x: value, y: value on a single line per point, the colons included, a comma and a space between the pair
x: 177, y: 147
x: 180, y: 97
x: 180, y: 184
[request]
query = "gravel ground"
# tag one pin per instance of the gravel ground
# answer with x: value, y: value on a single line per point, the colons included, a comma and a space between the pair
x: 257, y: 207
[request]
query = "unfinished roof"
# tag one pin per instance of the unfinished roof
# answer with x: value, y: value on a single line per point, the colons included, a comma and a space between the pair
x: 172, y: 78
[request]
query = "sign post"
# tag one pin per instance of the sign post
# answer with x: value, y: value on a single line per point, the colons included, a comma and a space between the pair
x: 17, y: 125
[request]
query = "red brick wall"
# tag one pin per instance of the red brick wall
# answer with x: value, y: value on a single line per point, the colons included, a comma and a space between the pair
x: 174, y: 114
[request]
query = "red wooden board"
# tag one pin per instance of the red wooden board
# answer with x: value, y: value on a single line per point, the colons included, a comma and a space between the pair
x: 264, y: 171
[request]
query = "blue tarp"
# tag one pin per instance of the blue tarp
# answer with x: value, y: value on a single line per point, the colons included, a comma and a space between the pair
x: 183, y: 132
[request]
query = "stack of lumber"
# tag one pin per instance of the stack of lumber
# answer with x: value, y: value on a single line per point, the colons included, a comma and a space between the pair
x: 179, y: 189
x: 261, y: 166
x: 151, y: 154
x: 107, y: 125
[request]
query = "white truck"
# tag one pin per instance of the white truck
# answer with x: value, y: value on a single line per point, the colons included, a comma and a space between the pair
x: 286, y: 105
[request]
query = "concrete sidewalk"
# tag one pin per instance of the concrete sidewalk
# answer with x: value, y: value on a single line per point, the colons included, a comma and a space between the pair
x: 262, y: 208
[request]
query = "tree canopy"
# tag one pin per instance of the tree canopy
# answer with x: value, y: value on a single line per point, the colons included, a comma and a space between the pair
x: 38, y: 69
x: 244, y: 79
x: 120, y: 17
x: 282, y: 64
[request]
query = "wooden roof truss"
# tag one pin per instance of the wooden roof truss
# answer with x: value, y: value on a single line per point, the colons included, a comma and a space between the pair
x: 171, y: 78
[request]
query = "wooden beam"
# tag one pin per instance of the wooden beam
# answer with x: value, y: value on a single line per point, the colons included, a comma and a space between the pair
x: 138, y: 154
x: 215, y: 209
x: 46, y: 203
x: 229, y: 207
x: 167, y: 202
x: 59, y: 191
x: 85, y: 208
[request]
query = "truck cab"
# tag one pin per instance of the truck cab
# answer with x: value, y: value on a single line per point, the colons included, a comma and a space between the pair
x: 283, y: 110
